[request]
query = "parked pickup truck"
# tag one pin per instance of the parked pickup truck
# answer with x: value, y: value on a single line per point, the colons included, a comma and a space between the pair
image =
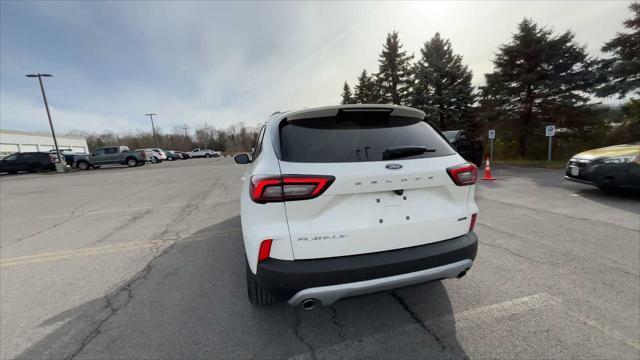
x: 110, y: 155
x: 470, y: 150
x: 195, y: 153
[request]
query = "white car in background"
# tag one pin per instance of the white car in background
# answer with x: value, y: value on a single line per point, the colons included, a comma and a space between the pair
x: 347, y: 200
x: 207, y: 153
x: 154, y: 155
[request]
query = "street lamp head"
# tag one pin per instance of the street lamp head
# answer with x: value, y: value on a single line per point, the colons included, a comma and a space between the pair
x: 150, y: 114
x: 38, y: 75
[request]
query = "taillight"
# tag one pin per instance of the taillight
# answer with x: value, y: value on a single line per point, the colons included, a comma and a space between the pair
x: 143, y: 155
x: 265, y: 250
x: 465, y: 174
x: 52, y: 158
x: 474, y: 217
x: 265, y: 189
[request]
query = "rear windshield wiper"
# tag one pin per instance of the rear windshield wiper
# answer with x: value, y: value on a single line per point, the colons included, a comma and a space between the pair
x: 398, y: 152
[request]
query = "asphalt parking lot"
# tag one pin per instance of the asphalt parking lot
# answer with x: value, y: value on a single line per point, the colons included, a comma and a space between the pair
x: 148, y: 263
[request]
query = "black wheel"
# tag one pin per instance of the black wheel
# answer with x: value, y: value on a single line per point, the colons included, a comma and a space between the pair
x: 132, y: 162
x: 12, y: 172
x: 140, y: 163
x: 170, y: 158
x: 207, y: 156
x: 96, y: 166
x: 155, y: 160
x: 83, y: 165
x: 257, y: 294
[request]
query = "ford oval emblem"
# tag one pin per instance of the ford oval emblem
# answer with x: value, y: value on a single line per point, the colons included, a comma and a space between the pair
x: 393, y: 166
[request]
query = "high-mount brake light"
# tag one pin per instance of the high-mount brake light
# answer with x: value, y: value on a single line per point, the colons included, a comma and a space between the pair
x: 265, y: 189
x: 462, y: 175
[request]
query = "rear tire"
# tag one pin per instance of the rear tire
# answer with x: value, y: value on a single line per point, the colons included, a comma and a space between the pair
x: 207, y: 156
x: 83, y: 165
x: 132, y: 162
x: 257, y: 294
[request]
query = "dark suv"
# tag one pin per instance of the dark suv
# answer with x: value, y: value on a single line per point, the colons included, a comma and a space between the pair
x: 28, y: 161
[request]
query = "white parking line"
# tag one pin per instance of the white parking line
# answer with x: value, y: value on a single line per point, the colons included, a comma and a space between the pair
x: 98, y: 212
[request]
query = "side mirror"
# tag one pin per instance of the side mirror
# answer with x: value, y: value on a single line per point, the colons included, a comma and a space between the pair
x: 242, y: 159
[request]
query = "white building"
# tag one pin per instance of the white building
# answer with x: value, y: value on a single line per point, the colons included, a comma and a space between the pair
x: 12, y: 141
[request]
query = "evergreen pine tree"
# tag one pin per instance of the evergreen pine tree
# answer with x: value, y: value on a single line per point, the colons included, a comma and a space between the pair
x: 394, y: 74
x: 366, y: 91
x: 442, y: 86
x: 623, y: 69
x: 538, y: 78
x: 347, y: 96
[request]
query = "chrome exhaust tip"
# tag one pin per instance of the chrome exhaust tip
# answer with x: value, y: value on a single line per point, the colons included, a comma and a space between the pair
x: 309, y: 304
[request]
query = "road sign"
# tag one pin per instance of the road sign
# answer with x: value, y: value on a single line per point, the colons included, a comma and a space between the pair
x: 492, y: 135
x: 550, y: 130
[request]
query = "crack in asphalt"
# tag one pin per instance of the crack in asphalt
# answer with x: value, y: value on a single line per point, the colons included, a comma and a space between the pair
x: 547, y: 262
x: 518, y: 255
x: 132, y: 220
x: 128, y: 288
x: 109, y: 300
x: 556, y: 213
x: 400, y: 300
x: 48, y: 228
x: 337, y: 323
x: 296, y: 330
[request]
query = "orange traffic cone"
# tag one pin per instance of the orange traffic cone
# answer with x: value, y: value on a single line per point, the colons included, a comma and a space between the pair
x: 487, y: 171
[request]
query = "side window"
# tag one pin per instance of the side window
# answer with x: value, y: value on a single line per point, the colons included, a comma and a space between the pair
x: 111, y: 151
x: 258, y: 147
x: 100, y: 152
x: 11, y: 157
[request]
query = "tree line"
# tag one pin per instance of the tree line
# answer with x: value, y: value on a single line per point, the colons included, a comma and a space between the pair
x: 539, y: 78
x: 233, y: 139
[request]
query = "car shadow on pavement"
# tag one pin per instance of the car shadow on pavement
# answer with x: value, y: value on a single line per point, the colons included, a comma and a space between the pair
x: 190, y: 301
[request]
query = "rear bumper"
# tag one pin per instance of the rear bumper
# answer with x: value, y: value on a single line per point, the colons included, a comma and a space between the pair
x: 333, y: 278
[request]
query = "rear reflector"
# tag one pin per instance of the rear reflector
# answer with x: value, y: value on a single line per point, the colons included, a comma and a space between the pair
x: 465, y: 174
x: 265, y: 249
x: 265, y: 189
x: 474, y: 217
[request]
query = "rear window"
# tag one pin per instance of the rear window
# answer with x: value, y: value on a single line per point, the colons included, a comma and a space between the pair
x: 360, y: 136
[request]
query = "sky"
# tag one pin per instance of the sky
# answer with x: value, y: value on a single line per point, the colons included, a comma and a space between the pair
x: 221, y: 63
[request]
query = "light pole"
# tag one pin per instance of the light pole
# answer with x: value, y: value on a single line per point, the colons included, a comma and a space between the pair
x: 153, y: 128
x: 59, y: 168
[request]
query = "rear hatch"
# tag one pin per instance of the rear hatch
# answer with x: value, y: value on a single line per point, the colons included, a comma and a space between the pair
x: 391, y: 187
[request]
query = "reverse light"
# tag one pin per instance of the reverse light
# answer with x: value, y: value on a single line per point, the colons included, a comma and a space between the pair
x: 265, y: 189
x: 474, y: 218
x: 462, y: 175
x: 265, y: 250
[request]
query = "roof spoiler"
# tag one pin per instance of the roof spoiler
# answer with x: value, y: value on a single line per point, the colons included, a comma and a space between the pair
x: 329, y: 111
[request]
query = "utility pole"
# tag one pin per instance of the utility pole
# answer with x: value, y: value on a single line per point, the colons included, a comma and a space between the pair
x: 153, y: 128
x: 62, y: 164
x: 185, y: 128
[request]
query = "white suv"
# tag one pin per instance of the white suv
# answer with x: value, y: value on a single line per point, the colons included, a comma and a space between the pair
x: 347, y: 200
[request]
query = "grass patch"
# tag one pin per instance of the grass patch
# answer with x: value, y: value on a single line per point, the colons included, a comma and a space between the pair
x: 554, y: 164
